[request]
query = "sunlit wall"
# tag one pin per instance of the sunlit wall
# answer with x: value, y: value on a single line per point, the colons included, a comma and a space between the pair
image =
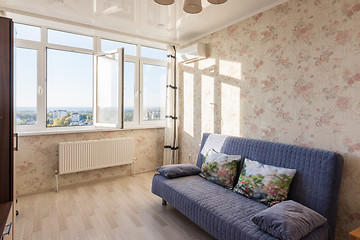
x: 291, y: 75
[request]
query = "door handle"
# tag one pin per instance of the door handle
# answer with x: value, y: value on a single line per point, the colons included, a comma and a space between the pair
x: 8, y: 231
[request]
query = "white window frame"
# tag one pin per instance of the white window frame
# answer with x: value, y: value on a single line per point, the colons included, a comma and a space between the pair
x: 135, y: 123
x: 67, y: 49
x: 120, y: 123
x: 43, y: 45
x: 40, y: 92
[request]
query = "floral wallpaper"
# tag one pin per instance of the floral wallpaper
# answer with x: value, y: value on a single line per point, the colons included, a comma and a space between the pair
x: 38, y: 158
x: 290, y: 74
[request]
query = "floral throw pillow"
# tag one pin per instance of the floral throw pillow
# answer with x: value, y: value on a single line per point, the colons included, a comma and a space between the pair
x: 264, y: 183
x: 220, y: 168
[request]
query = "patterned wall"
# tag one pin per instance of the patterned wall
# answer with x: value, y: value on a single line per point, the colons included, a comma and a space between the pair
x: 38, y: 158
x: 290, y: 75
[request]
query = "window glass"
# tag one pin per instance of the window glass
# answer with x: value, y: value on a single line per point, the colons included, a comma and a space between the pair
x: 70, y: 39
x: 25, y: 74
x: 108, y: 45
x: 27, y: 32
x: 154, y: 84
x: 129, y: 91
x: 69, y: 88
x: 154, y: 53
x: 108, y: 89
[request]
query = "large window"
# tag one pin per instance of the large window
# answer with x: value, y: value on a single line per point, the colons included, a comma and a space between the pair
x: 69, y: 88
x: 56, y: 87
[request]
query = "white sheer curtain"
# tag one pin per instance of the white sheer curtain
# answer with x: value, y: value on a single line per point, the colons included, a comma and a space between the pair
x: 171, y: 128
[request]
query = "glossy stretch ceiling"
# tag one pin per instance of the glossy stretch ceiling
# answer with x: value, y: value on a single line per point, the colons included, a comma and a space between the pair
x: 143, y: 18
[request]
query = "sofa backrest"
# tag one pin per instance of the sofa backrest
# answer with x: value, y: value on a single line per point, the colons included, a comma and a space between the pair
x: 318, y: 172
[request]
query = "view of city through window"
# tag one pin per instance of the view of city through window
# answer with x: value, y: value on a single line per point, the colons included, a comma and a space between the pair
x: 25, y: 116
x: 81, y: 116
x: 154, y: 92
x: 69, y: 88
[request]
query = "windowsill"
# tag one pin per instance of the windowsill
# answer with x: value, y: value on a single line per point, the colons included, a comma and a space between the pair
x: 67, y: 130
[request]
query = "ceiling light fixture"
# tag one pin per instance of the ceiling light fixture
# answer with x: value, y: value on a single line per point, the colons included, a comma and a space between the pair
x: 190, y: 6
x: 164, y: 2
x: 217, y: 1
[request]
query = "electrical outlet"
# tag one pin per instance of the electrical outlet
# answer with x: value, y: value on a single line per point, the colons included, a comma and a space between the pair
x: 189, y: 157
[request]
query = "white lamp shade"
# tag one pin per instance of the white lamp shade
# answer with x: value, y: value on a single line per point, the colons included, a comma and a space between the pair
x: 217, y: 1
x: 192, y: 6
x: 164, y: 2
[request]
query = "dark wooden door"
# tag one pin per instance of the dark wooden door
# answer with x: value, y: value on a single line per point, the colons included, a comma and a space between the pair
x: 6, y: 110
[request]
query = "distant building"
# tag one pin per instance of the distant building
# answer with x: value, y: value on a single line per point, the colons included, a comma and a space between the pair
x: 153, y: 114
x: 75, y: 117
x: 59, y: 113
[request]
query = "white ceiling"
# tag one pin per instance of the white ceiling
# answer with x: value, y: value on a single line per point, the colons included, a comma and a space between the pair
x: 143, y: 18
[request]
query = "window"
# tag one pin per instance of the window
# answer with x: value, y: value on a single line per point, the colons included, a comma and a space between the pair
x: 154, y: 53
x: 70, y: 39
x: 108, y: 45
x: 109, y: 89
x: 25, y: 74
x: 69, y: 88
x: 27, y: 32
x: 154, y: 89
x: 129, y: 91
x: 65, y: 81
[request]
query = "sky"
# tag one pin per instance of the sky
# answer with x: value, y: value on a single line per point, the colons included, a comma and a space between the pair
x: 154, y: 90
x: 70, y: 74
x: 26, y: 60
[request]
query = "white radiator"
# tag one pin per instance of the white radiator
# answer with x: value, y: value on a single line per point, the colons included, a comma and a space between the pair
x: 94, y: 154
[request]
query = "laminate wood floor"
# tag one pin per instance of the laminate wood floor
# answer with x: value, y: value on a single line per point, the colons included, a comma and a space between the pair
x: 122, y: 208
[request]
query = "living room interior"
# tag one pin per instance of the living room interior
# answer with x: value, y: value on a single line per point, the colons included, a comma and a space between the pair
x: 283, y: 71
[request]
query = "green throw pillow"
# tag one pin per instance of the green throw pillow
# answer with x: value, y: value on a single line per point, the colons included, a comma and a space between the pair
x: 264, y: 183
x: 220, y: 168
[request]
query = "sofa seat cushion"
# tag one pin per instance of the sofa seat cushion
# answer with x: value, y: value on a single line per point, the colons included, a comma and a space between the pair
x: 219, y: 211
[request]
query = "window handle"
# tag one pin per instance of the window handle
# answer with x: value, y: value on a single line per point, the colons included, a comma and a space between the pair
x: 40, y: 90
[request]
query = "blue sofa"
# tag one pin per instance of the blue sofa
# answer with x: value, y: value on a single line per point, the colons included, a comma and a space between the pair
x: 226, y: 215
